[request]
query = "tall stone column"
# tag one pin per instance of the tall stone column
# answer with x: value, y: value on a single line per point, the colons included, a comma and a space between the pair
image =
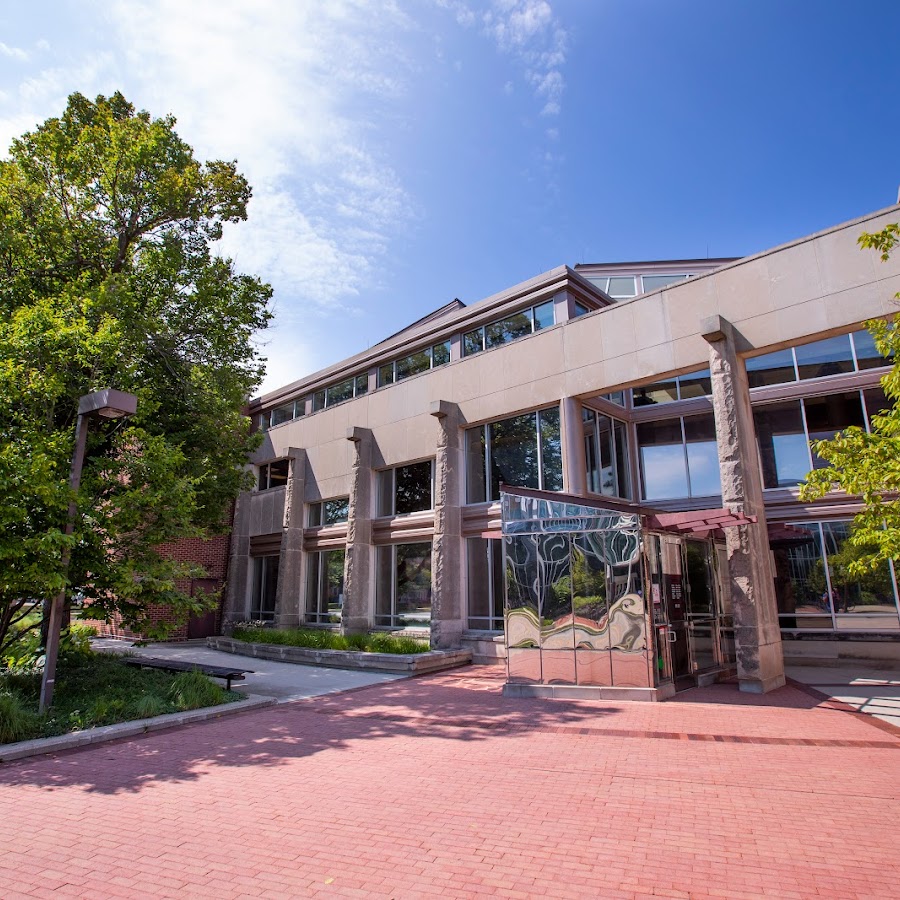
x: 446, y: 545
x: 356, y: 615
x: 289, y: 593
x: 237, y: 607
x: 574, y: 463
x: 760, y: 662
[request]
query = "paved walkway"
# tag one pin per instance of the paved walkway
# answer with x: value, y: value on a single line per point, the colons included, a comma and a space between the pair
x: 284, y: 681
x: 438, y: 786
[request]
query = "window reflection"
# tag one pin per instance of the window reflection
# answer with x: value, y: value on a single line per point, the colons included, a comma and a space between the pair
x: 663, y: 464
x: 867, y: 355
x: 703, y: 456
x: 832, y: 356
x: 783, y: 450
x: 771, y: 368
x: 826, y: 416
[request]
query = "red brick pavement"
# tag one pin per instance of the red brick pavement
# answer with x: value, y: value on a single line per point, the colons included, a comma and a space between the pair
x: 440, y: 787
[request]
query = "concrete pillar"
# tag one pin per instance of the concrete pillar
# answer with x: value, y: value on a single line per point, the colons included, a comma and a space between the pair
x: 574, y: 463
x: 760, y: 662
x: 446, y: 577
x: 237, y: 602
x: 289, y: 593
x: 356, y: 616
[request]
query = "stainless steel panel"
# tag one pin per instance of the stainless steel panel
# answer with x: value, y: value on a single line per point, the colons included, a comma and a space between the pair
x: 593, y: 667
x: 523, y: 665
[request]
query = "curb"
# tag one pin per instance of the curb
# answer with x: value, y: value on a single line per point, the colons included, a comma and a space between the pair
x: 135, y: 728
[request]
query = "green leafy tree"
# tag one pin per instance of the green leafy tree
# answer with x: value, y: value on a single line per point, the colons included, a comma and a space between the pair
x: 108, y: 279
x: 869, y: 464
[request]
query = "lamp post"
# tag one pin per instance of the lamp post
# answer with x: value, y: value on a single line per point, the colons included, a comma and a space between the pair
x: 105, y: 404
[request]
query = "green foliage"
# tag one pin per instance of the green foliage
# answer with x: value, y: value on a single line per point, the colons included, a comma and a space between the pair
x: 97, y: 689
x: 869, y: 464
x: 320, y: 639
x: 107, y: 278
x: 194, y: 690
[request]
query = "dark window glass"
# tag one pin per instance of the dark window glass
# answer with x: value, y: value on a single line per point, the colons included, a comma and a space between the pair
x: 385, y: 502
x: 652, y: 394
x: 695, y: 384
x: 385, y: 374
x: 478, y: 583
x: 771, y: 368
x: 591, y: 454
x: 617, y: 397
x: 315, y: 515
x: 384, y: 585
x: 440, y: 354
x: 361, y: 384
x: 877, y: 403
x: 473, y: 342
x: 654, y: 282
x: 339, y: 393
x: 265, y: 583
x: 318, y: 401
x: 703, y: 456
x: 826, y: 416
x: 579, y: 309
x: 551, y: 450
x: 543, y: 316
x: 801, y: 587
x: 300, y: 407
x: 278, y: 473
x: 475, y: 465
x: 623, y: 466
x: 607, y: 480
x: 325, y: 588
x: 413, y: 364
x: 412, y: 489
x: 335, y: 511
x: 413, y: 585
x: 867, y: 355
x: 783, y: 449
x: 282, y: 414
x: 514, y: 457
x: 829, y: 357
x: 663, y: 465
x: 508, y: 329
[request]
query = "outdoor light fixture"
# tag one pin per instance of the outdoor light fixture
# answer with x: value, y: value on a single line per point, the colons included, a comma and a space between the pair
x: 105, y: 404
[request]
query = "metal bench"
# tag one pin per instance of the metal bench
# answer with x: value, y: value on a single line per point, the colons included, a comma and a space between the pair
x: 174, y: 665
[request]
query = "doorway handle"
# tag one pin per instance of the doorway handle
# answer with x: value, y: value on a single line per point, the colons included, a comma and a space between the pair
x: 672, y: 636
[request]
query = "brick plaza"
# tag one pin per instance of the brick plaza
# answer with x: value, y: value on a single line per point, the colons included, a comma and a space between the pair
x: 438, y: 786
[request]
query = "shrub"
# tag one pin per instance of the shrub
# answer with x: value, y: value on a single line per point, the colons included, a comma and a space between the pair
x: 17, y: 723
x: 194, y: 690
x: 148, y: 706
x: 322, y: 639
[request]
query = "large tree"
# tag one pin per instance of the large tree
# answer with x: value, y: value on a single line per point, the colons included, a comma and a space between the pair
x: 868, y: 464
x: 108, y: 279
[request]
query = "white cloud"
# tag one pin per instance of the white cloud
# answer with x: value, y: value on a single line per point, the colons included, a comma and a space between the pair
x: 13, y: 52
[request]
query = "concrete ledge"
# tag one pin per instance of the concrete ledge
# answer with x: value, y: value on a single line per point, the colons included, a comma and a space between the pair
x: 135, y: 728
x: 393, y: 663
x: 588, y: 692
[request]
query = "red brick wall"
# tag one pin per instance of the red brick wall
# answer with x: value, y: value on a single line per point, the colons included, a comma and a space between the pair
x: 211, y: 554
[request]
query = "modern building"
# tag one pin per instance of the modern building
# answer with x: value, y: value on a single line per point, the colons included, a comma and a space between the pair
x: 681, y: 392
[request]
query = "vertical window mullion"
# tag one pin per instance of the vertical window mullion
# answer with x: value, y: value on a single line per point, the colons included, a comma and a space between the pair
x: 488, y: 481
x: 806, y: 433
x: 540, y: 449
x: 684, y: 451
x: 614, y: 455
x: 796, y: 367
x: 862, y: 402
x: 827, y: 576
x: 853, y: 353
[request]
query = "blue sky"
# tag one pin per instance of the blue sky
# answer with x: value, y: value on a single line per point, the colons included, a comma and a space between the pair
x: 405, y: 153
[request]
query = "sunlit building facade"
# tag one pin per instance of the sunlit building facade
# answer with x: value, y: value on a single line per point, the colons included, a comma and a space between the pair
x: 379, y: 479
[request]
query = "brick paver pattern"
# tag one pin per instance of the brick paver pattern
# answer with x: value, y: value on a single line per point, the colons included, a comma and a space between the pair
x: 439, y: 786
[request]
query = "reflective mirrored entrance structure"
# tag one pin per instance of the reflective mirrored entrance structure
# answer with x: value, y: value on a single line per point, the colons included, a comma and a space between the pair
x: 601, y: 601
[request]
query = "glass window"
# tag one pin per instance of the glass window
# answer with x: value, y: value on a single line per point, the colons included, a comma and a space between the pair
x: 867, y: 355
x: 508, y: 329
x: 832, y: 356
x: 606, y: 454
x: 484, y: 563
x: 475, y: 465
x: 652, y: 394
x: 623, y: 462
x: 801, y: 585
x: 329, y: 512
x: 386, y: 374
x: 877, y: 403
x: 473, y: 342
x: 265, y: 585
x: 413, y: 364
x: 361, y: 384
x: 655, y: 282
x: 406, y: 489
x: 318, y: 401
x: 617, y: 397
x: 663, y: 464
x: 282, y: 414
x: 514, y: 453
x: 694, y: 384
x: 579, y: 309
x: 300, y: 407
x: 543, y: 315
x: 702, y: 456
x: 340, y: 392
x: 440, y: 354
x: 325, y: 586
x: 403, y: 585
x: 771, y: 368
x: 273, y: 474
x: 551, y: 450
x: 826, y: 416
x: 783, y: 448
x: 621, y: 286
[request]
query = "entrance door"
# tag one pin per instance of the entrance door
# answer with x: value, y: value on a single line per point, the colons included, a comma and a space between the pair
x: 674, y: 618
x: 701, y: 605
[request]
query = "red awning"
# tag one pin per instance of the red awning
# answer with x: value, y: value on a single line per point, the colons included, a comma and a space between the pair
x: 698, y: 521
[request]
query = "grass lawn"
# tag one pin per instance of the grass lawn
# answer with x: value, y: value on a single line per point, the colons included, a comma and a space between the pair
x: 99, y: 689
x: 320, y: 639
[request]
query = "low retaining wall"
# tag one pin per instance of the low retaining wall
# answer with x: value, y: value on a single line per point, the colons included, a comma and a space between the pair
x: 396, y: 663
